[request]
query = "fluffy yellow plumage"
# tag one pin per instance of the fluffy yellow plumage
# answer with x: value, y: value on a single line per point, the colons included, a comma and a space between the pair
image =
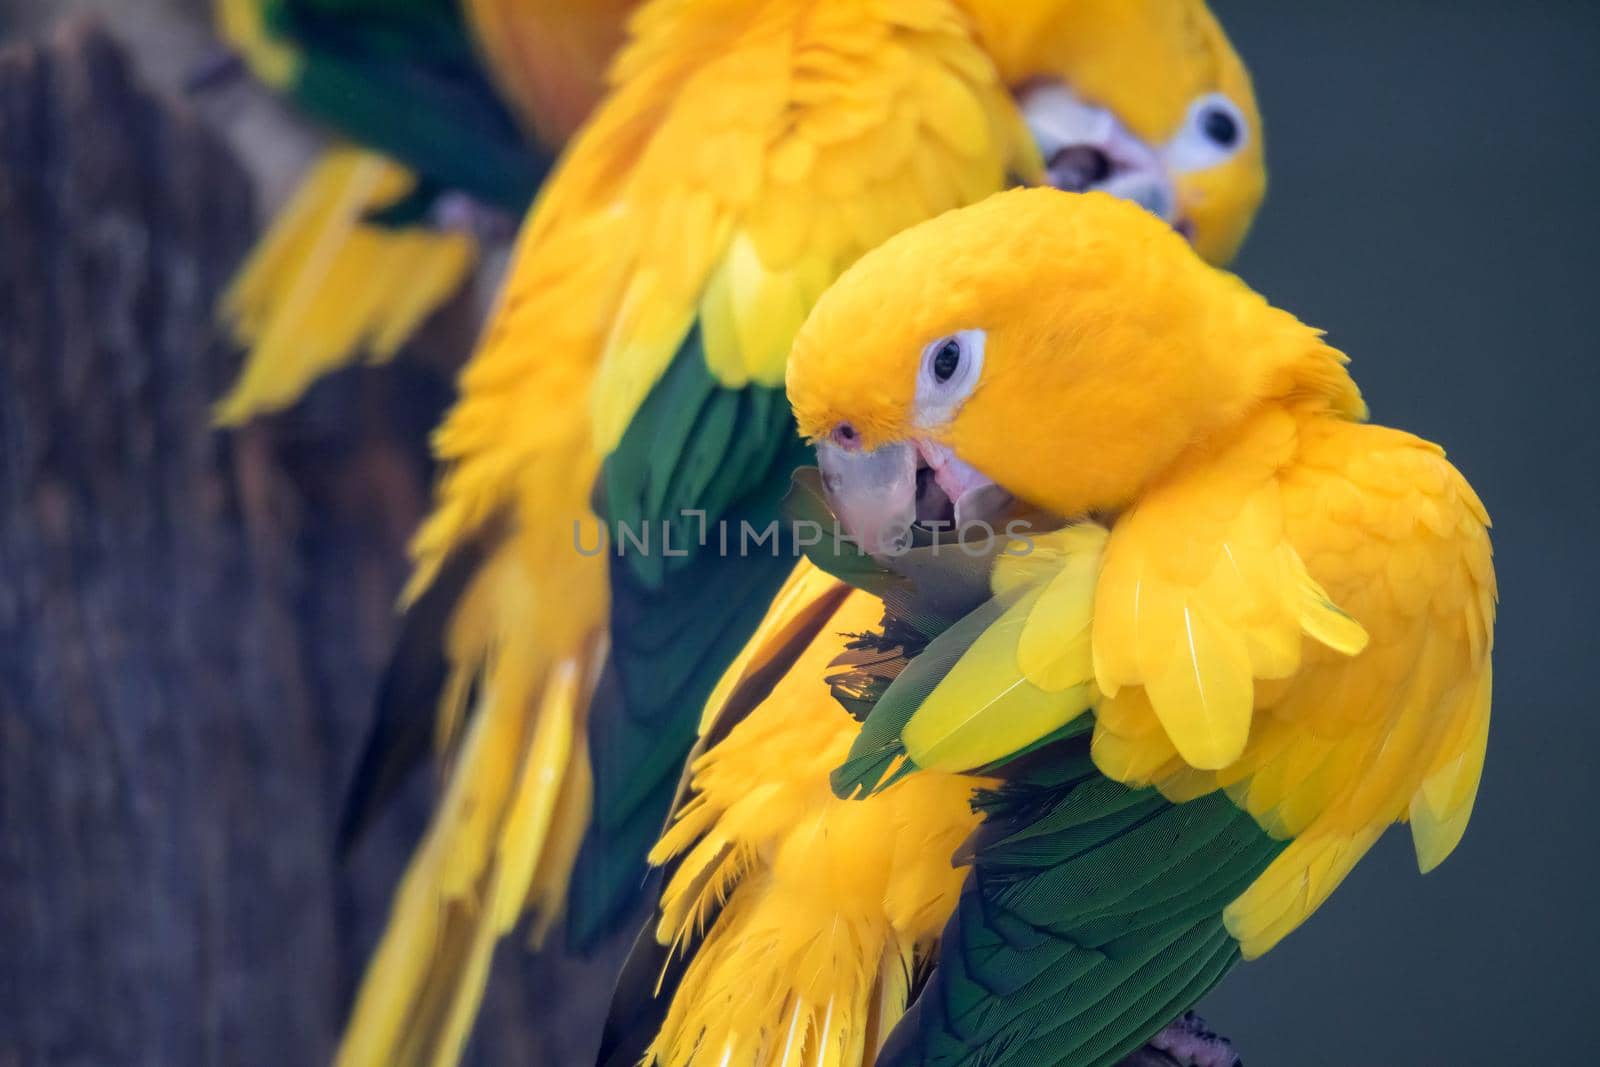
x: 1290, y: 605
x: 827, y: 906
x: 679, y: 200
x: 1148, y: 62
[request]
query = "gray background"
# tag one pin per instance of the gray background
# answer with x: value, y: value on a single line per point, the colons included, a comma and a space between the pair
x: 1432, y: 205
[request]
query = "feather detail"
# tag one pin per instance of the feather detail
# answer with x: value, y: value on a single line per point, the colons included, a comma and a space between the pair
x: 507, y: 820
x: 1370, y: 549
x: 808, y: 596
x: 750, y: 204
x: 802, y: 916
x: 325, y: 286
x: 681, y: 211
x: 1202, y: 595
x: 986, y: 708
x: 1300, y: 614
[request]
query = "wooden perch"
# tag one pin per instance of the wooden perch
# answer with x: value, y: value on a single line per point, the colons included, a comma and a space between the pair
x: 190, y: 623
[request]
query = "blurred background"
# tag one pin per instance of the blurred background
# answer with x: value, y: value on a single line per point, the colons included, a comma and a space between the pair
x: 190, y: 622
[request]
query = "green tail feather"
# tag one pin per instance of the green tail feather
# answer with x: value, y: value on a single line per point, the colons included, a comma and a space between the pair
x: 678, y: 620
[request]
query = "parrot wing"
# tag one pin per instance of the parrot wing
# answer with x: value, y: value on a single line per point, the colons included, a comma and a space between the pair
x: 1092, y: 915
x: 850, y: 124
x: 788, y: 916
x: 1301, y: 617
x: 1091, y: 918
x: 328, y: 282
x: 695, y: 452
x: 746, y: 155
x: 1399, y: 540
x: 1330, y: 584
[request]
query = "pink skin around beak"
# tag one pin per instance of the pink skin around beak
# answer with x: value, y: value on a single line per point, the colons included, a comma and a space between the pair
x: 879, y: 495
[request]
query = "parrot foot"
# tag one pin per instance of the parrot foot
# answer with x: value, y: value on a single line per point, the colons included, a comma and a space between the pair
x: 1186, y: 1042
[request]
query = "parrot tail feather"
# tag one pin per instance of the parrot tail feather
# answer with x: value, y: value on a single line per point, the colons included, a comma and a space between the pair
x: 327, y: 284
x: 501, y: 843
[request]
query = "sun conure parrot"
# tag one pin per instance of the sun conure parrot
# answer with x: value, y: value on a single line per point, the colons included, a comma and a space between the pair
x: 631, y: 381
x: 444, y: 105
x: 1230, y: 633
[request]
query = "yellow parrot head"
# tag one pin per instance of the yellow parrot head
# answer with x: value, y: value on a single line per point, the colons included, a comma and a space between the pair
x: 1060, y: 348
x: 1143, y: 99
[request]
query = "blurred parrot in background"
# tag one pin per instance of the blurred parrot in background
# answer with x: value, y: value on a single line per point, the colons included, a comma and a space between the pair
x: 447, y: 107
x: 1231, y: 633
x: 578, y: 591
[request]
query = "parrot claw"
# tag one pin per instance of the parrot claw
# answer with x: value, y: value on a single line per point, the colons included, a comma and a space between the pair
x: 1186, y: 1042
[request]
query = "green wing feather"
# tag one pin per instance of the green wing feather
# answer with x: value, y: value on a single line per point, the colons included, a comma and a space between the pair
x: 1091, y: 919
x: 677, y: 620
x: 1092, y: 916
x: 404, y: 79
x: 878, y: 757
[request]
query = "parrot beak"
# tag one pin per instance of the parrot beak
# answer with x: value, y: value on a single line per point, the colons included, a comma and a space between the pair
x: 872, y: 494
x: 1086, y: 148
x: 879, y: 496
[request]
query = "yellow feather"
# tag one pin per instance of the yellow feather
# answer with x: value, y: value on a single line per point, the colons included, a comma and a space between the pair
x: 324, y: 286
x: 768, y: 310
x: 807, y: 597
x: 504, y: 838
x: 826, y: 905
x: 1440, y: 809
x: 1054, y: 650
x: 527, y: 823
x: 547, y: 889
x: 986, y: 708
x: 1325, y: 621
x: 243, y: 24
x: 1206, y: 695
x: 1292, y: 887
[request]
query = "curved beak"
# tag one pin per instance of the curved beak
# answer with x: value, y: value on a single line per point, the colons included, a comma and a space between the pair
x: 1085, y: 147
x: 872, y: 494
x: 878, y: 496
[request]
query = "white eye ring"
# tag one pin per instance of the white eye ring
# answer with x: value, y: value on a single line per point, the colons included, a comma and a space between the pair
x: 1214, y: 131
x: 950, y: 369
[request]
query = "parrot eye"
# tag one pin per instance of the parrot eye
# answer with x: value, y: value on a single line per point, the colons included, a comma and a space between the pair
x: 1220, y: 126
x: 950, y: 369
x: 1214, y: 132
